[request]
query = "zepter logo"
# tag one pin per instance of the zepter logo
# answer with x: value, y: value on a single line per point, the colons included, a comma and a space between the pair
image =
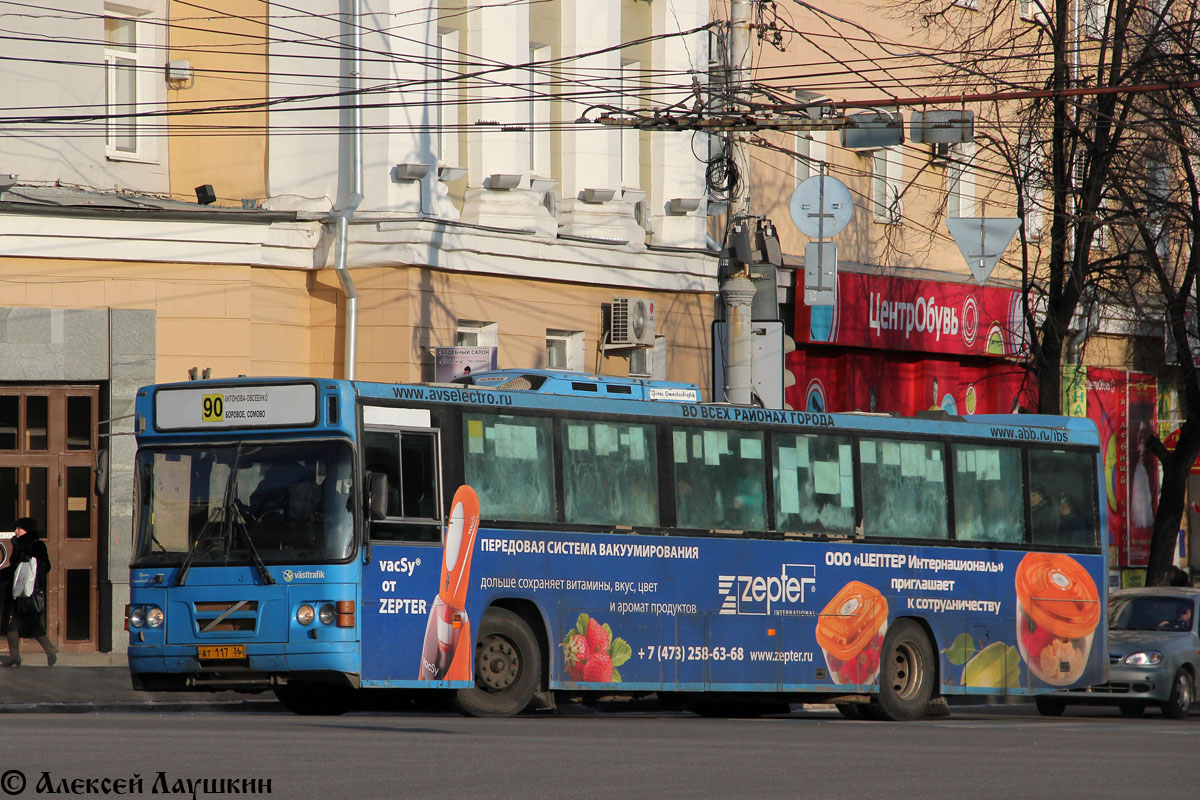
x: 761, y: 595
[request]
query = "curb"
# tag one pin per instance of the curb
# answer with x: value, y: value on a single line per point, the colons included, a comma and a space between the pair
x: 134, y: 707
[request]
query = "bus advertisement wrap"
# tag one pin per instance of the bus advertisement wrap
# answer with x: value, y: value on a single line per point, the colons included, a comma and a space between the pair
x: 572, y: 534
x: 1005, y: 622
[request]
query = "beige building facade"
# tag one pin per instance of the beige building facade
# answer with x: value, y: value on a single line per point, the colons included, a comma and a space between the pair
x: 119, y: 268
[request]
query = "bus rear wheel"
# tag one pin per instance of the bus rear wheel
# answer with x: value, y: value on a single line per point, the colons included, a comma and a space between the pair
x: 907, y: 677
x: 508, y: 667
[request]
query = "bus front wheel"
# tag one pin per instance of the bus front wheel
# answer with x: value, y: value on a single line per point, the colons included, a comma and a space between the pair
x: 907, y: 676
x: 508, y: 667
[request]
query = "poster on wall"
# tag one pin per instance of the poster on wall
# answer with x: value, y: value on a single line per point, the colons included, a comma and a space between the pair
x: 1107, y: 406
x: 456, y: 362
x: 1143, y: 466
x: 1124, y: 406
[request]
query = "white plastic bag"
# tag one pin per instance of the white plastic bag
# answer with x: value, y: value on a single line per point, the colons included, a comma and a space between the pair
x: 25, y: 578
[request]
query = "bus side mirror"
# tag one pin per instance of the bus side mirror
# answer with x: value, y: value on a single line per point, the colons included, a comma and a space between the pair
x: 101, y: 473
x: 377, y: 495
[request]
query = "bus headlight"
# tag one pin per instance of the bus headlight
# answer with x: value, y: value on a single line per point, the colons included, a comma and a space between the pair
x: 154, y: 617
x: 137, y: 616
x: 328, y: 614
x: 305, y: 614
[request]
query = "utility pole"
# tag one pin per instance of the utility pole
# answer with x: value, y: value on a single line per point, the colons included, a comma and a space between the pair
x: 737, y: 290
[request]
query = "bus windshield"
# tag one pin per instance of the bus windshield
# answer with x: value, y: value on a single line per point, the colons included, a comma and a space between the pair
x: 229, y: 504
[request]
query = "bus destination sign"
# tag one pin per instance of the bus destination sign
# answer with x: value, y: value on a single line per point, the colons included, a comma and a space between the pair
x: 264, y: 406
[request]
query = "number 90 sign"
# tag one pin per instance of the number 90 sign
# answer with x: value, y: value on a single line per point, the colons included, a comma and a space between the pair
x: 214, y: 408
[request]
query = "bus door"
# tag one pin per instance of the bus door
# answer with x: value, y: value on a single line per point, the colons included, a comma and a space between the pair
x: 402, y: 470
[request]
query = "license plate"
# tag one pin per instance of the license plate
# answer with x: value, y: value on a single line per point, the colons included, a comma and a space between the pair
x: 221, y: 652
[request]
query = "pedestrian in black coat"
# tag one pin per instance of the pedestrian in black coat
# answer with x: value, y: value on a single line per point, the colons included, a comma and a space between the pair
x: 26, y: 616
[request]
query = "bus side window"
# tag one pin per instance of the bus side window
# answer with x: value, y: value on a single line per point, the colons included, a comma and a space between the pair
x: 610, y: 473
x: 1066, y: 511
x: 988, y: 506
x: 814, y: 483
x: 381, y: 456
x: 904, y: 489
x: 402, y: 467
x: 720, y: 480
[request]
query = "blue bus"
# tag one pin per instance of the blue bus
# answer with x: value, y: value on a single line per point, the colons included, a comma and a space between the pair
x: 535, y: 534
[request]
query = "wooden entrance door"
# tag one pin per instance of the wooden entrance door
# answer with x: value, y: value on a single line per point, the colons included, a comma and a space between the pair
x: 47, y: 454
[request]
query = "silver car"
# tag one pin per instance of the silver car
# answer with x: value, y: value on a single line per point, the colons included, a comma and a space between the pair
x: 1153, y: 655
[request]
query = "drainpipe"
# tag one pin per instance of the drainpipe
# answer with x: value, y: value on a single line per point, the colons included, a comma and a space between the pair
x: 347, y: 211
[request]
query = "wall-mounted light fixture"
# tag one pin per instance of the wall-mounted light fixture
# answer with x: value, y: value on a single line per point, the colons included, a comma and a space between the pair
x: 447, y: 174
x: 409, y: 172
x: 542, y: 185
x: 501, y: 181
x: 597, y: 195
x: 679, y: 206
x: 633, y: 195
x: 205, y: 195
x: 7, y: 181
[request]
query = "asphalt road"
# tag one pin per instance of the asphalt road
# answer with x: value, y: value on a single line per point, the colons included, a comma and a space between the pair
x: 979, y: 752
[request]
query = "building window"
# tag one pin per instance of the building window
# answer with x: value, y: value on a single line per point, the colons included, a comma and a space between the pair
x: 885, y: 185
x: 1095, y: 18
x: 539, y: 111
x: 564, y: 350
x: 121, y: 67
x: 476, y: 334
x: 1032, y: 10
x: 449, y: 98
x: 1031, y: 161
x: 809, y: 147
x: 649, y: 362
x: 1158, y: 176
x: 960, y: 181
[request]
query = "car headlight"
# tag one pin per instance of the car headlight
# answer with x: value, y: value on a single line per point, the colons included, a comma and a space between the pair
x: 154, y: 617
x: 328, y: 614
x: 305, y: 614
x: 137, y: 616
x: 1144, y: 658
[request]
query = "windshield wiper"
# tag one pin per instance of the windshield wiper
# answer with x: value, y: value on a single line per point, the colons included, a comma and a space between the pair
x: 240, y: 522
x: 230, y: 516
x: 206, y: 532
x: 209, y: 527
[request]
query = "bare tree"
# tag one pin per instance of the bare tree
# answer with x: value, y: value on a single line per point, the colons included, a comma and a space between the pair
x: 1155, y: 188
x: 1095, y: 121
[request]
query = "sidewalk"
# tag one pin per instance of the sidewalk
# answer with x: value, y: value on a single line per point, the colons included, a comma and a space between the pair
x: 81, y: 683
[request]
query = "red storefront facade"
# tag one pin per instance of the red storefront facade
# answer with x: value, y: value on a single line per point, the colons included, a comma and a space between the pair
x: 902, y: 346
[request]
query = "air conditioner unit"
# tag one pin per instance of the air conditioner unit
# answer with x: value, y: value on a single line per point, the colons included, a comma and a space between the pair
x: 552, y: 200
x: 642, y: 213
x: 632, y: 322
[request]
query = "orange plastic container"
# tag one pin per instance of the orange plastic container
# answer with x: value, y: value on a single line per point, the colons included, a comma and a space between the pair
x: 850, y: 632
x: 1058, y: 609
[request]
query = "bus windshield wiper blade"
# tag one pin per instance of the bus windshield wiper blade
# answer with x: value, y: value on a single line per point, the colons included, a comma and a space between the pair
x: 209, y: 526
x: 206, y: 533
x: 255, y: 558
